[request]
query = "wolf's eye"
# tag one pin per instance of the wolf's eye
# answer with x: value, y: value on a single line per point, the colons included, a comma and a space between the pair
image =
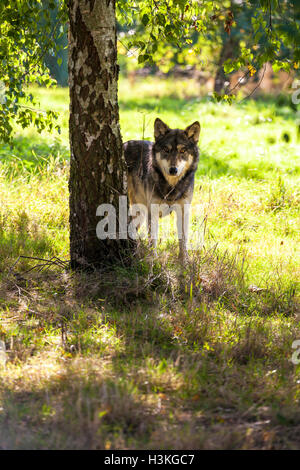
x: 182, y: 150
x: 166, y: 149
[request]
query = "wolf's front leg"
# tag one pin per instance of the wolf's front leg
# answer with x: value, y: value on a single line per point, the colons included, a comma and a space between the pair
x: 183, y: 216
x: 153, y: 230
x: 137, y: 216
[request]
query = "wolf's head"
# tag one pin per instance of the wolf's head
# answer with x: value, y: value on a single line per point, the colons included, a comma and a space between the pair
x: 175, y: 151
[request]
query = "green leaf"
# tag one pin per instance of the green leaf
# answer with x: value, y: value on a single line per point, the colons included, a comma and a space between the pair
x: 228, y: 67
x: 143, y: 58
x: 145, y: 20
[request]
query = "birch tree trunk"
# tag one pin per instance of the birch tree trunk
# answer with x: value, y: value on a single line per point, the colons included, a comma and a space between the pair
x: 97, y: 167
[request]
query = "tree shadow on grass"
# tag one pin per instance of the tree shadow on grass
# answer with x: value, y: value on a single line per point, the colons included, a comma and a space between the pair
x: 214, y: 166
x: 73, y: 401
x: 157, y: 376
x: 165, y: 103
x: 281, y: 105
x: 77, y: 406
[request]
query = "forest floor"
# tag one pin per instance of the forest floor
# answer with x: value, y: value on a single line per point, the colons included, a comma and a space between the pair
x: 157, y: 357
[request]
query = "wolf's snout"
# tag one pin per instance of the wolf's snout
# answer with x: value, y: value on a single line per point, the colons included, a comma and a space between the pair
x: 173, y: 170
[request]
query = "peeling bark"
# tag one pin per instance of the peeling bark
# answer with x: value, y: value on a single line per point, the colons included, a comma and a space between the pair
x: 97, y: 167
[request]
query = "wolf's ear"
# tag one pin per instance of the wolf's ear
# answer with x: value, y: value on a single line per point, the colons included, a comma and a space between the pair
x: 160, y: 128
x: 193, y: 131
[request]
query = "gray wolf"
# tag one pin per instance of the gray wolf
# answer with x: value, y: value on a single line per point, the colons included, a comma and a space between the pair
x: 161, y: 175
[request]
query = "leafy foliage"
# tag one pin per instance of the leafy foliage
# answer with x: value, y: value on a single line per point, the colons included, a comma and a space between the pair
x: 27, y: 34
x: 272, y: 26
x: 262, y: 30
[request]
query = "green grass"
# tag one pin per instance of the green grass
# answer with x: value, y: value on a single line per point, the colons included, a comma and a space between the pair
x: 157, y: 357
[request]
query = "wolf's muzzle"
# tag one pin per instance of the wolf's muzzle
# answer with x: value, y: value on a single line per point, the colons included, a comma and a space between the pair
x: 173, y: 170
